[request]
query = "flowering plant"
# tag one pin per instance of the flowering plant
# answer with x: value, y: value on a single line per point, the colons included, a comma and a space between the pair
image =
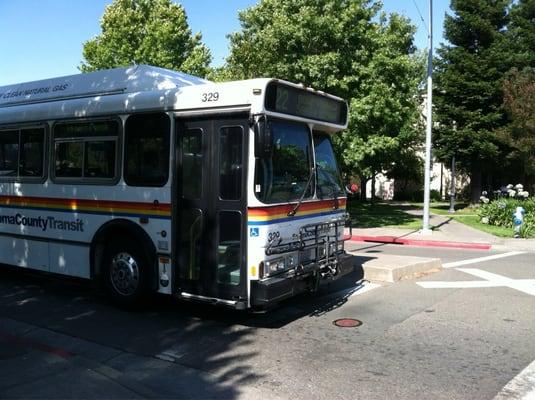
x: 499, y: 213
x: 511, y: 191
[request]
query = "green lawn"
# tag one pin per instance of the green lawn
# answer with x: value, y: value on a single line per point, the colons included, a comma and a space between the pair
x: 473, y: 221
x: 381, y: 214
x: 443, y: 208
x: 385, y: 214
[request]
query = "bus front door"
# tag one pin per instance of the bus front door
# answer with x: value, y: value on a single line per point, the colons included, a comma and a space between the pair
x: 210, y: 211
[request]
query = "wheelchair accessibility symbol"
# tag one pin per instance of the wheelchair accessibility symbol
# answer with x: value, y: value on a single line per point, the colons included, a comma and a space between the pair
x: 254, y: 232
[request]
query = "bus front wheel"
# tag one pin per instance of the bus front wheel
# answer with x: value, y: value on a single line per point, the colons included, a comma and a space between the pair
x: 126, y: 276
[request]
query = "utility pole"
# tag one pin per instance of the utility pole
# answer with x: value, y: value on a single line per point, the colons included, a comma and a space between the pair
x: 427, y: 176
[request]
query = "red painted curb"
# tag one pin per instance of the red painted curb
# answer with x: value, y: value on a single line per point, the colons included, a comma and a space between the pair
x: 16, y: 340
x: 418, y: 242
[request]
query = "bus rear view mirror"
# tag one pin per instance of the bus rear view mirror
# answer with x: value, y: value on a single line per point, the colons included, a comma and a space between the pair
x: 263, y: 138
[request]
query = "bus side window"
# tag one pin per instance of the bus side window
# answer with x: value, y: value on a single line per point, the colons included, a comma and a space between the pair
x: 22, y: 153
x: 100, y: 159
x: 32, y: 152
x: 69, y: 156
x: 9, y: 153
x: 86, y: 149
x: 147, y: 150
x: 230, y: 162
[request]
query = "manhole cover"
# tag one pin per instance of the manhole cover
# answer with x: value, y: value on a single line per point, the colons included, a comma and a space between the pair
x: 347, y: 322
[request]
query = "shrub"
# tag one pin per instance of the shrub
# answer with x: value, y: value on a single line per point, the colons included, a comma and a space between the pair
x: 500, y: 213
x: 409, y: 195
x: 434, y: 195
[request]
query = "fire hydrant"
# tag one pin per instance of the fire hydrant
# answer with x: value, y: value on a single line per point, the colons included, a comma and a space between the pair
x: 518, y: 220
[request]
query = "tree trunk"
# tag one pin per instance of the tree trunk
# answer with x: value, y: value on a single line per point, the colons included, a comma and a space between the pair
x: 363, y: 182
x: 475, y: 185
x: 373, y: 187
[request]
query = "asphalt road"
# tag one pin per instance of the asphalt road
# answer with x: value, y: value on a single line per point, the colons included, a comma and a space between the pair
x: 60, y: 338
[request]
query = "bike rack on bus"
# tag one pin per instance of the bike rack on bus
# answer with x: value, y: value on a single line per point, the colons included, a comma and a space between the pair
x: 316, y: 247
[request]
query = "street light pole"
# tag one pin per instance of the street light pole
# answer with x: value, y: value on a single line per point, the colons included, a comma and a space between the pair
x: 427, y: 176
x: 452, y: 188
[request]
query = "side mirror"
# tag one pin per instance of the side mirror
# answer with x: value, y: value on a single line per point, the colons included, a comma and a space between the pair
x: 263, y: 138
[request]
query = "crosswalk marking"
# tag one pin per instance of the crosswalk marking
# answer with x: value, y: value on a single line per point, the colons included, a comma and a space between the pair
x: 481, y: 259
x: 490, y: 280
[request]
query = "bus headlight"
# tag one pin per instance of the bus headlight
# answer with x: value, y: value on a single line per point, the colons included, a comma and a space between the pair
x: 274, y: 266
x: 281, y: 264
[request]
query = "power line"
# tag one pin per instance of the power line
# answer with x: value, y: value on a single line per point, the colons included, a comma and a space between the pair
x: 421, y: 17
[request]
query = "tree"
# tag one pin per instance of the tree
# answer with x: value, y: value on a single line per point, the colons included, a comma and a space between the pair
x: 152, y: 32
x: 346, y: 48
x: 384, y: 110
x: 519, y: 92
x: 519, y: 134
x: 469, y: 75
x: 521, y: 34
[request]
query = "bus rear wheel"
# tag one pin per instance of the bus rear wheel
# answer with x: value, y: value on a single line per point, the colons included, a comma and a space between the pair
x: 126, y: 276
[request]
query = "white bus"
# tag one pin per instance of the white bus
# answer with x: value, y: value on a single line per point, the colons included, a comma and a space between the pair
x: 158, y: 181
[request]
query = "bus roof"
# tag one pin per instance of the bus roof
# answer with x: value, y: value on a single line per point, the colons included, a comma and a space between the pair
x: 133, y: 79
x: 146, y: 88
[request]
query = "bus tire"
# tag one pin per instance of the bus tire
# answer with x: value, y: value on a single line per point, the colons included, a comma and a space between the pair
x: 126, y: 274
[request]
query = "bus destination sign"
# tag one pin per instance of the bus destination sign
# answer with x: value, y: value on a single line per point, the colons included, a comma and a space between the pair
x: 303, y: 103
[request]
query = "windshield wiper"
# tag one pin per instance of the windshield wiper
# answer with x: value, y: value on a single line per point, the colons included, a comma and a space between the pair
x: 296, y: 207
x: 335, y: 191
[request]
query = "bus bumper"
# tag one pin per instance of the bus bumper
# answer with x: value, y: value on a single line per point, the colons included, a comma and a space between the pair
x: 272, y: 290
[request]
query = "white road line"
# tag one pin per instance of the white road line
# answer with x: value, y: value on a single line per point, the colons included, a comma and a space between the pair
x: 359, y: 288
x: 366, y: 288
x: 490, y: 280
x: 467, y: 284
x: 521, y: 387
x: 481, y: 259
x: 518, y: 284
x: 457, y: 285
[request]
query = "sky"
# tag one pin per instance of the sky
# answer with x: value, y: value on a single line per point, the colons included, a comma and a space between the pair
x: 42, y: 39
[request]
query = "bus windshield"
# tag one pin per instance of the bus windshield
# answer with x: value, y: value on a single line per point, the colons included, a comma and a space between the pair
x: 284, y: 176
x: 328, y: 176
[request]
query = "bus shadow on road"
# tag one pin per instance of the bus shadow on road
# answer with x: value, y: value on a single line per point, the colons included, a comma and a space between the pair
x: 72, y: 316
x: 79, y: 307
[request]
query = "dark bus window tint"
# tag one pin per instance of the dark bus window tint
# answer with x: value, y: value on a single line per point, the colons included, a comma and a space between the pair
x: 69, y: 156
x: 86, y: 129
x: 285, y: 176
x: 190, y: 251
x: 192, y: 157
x: 32, y: 152
x: 329, y: 181
x: 99, y: 159
x: 229, y: 248
x: 86, y: 149
x: 230, y: 162
x: 147, y: 150
x: 9, y: 153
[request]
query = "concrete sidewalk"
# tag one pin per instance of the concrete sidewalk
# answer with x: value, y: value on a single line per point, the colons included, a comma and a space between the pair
x: 40, y: 363
x: 448, y: 233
